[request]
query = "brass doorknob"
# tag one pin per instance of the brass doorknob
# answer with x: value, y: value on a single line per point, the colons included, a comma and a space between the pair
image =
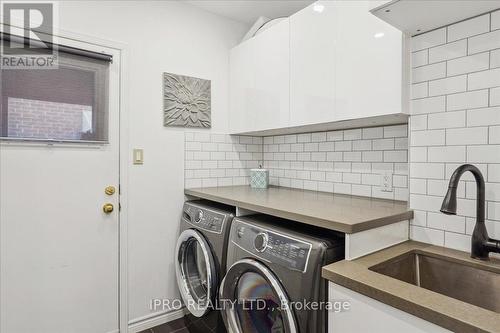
x: 109, y: 190
x: 107, y: 208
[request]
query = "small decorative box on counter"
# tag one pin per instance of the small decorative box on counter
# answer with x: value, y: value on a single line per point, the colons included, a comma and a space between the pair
x: 259, y: 178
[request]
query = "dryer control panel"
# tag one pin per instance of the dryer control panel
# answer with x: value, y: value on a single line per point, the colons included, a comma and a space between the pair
x: 203, y: 218
x: 272, y: 246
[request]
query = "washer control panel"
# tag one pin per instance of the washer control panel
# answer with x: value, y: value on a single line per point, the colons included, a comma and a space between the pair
x: 272, y: 246
x: 204, y: 218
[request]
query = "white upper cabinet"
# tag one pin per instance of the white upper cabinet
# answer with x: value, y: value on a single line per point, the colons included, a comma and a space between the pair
x: 344, y: 64
x: 369, y: 63
x: 312, y: 64
x: 330, y: 65
x: 259, y: 81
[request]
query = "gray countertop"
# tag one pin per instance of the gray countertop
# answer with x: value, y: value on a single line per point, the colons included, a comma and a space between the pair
x: 439, y: 309
x: 344, y: 213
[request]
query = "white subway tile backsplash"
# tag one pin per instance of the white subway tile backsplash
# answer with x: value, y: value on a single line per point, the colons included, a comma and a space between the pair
x: 361, y: 167
x: 446, y: 154
x: 475, y: 26
x: 343, y: 146
x: 372, y: 156
x: 428, y: 105
x: 396, y: 156
x: 361, y: 190
x: 383, y: 144
x: 420, y: 90
x: 484, y: 42
x: 429, y: 72
x: 467, y: 100
x: 418, y: 122
x: 427, y: 170
x: 446, y: 120
x: 483, y: 154
x: 301, y: 137
x: 339, y: 161
x: 420, y: 58
x: 483, y: 117
x: 457, y: 241
x: 201, y: 136
x: 467, y: 136
x: 418, y: 186
x: 446, y: 222
x: 354, y: 134
x: 335, y: 136
x: 425, y: 41
x: 396, y: 131
x: 455, y: 119
x: 448, y: 51
x: 495, y: 58
x: 494, y: 135
x: 493, y: 211
x: 495, y: 96
x: 495, y: 20
x: 318, y: 136
x: 334, y: 156
x: 352, y: 156
x: 428, y: 138
x: 427, y: 235
x: 326, y: 146
x: 449, y: 85
x: 484, y: 79
x: 362, y: 145
x: 401, y: 143
x: 418, y: 154
x: 311, y: 147
x: 494, y: 173
x: 373, y: 133
x: 473, y: 63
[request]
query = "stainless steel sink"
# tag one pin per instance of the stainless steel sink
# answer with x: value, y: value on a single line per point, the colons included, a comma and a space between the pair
x: 466, y: 281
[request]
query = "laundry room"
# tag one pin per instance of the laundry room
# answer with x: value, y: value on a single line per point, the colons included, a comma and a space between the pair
x: 249, y: 166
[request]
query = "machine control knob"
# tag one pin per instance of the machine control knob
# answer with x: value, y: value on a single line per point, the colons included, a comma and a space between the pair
x: 198, y: 216
x: 260, y: 242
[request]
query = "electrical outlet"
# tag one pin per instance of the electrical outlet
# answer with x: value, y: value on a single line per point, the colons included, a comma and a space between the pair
x: 387, y: 182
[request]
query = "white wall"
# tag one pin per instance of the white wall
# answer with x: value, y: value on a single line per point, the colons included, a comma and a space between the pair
x: 162, y: 36
x: 455, y: 119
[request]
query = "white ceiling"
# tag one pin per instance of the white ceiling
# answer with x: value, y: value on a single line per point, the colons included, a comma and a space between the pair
x: 247, y: 11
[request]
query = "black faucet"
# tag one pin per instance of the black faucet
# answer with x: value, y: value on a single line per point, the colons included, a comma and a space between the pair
x: 482, y: 244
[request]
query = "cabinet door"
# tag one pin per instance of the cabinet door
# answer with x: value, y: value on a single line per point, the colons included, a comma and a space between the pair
x: 241, y: 84
x: 313, y: 48
x: 259, y: 81
x: 369, y: 65
x: 271, y: 99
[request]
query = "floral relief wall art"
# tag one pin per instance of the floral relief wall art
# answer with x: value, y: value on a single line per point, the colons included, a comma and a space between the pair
x: 186, y: 101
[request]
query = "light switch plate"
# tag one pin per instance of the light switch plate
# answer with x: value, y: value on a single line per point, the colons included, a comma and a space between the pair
x: 138, y: 156
x: 387, y: 182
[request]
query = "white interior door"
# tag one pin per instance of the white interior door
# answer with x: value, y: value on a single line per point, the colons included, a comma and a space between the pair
x: 59, y: 250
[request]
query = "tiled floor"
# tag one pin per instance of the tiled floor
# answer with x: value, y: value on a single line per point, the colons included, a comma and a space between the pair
x: 190, y: 324
x: 177, y: 326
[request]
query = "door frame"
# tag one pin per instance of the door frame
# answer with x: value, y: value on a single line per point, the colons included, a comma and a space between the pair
x: 123, y: 172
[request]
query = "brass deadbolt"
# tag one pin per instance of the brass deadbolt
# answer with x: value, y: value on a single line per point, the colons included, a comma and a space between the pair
x: 107, y: 208
x: 110, y: 190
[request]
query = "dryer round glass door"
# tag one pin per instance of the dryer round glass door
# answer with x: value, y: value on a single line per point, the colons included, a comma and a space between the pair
x: 254, y: 300
x: 195, y: 270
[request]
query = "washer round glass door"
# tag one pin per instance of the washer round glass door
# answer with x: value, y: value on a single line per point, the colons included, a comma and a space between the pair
x: 254, y: 300
x: 195, y: 270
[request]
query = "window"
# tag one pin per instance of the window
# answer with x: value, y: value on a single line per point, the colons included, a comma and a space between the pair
x: 68, y: 103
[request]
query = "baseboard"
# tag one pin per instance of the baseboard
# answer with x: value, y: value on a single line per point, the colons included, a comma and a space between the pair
x: 155, y: 319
